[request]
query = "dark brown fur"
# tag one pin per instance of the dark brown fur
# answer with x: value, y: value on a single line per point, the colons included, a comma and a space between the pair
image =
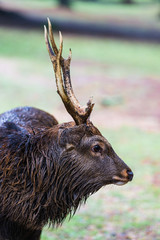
x: 47, y: 170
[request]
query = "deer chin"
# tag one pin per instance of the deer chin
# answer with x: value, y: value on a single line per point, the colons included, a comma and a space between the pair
x: 119, y: 181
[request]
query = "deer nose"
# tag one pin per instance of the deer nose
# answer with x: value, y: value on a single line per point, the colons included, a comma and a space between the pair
x: 127, y: 173
x: 130, y: 175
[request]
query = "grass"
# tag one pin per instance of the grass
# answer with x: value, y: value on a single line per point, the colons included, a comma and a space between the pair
x: 141, y: 57
x: 121, y: 59
x: 149, y: 11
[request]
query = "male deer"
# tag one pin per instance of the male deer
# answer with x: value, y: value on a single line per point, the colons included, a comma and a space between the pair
x: 48, y: 169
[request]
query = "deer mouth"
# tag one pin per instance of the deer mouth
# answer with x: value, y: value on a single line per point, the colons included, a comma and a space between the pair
x: 119, y: 181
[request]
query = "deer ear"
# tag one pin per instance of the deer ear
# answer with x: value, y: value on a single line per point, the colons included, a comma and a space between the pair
x: 71, y: 136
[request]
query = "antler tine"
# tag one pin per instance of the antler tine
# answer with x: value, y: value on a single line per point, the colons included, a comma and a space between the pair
x: 50, y: 51
x: 60, y: 45
x: 64, y: 86
x: 51, y: 37
x: 56, y: 63
x: 58, y: 74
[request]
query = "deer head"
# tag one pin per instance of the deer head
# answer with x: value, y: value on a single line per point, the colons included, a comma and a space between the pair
x: 94, y: 151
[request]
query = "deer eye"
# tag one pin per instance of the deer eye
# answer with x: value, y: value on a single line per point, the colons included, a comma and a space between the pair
x: 96, y: 148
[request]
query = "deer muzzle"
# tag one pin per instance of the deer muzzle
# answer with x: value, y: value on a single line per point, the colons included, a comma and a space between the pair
x: 125, y: 176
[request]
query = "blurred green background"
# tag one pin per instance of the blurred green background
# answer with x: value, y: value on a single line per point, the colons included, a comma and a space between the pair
x: 123, y: 76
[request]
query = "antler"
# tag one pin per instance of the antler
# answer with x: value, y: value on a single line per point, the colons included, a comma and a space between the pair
x: 64, y: 87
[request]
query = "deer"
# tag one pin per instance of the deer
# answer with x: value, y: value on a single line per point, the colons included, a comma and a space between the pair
x: 47, y: 169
